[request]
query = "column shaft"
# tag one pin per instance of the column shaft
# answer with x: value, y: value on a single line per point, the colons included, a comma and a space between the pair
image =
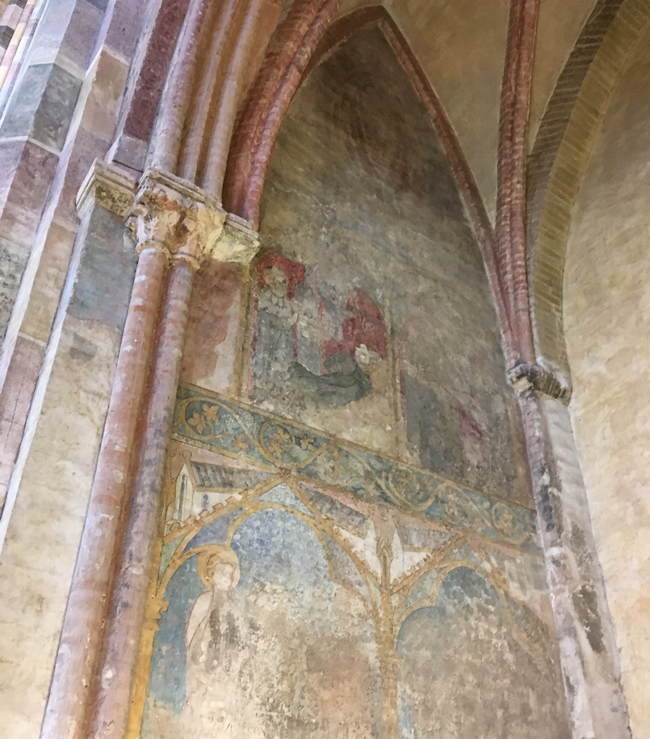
x: 129, y: 597
x: 81, y: 637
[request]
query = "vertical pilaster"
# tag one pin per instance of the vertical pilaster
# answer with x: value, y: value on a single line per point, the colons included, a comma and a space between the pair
x: 47, y: 493
x: 588, y: 651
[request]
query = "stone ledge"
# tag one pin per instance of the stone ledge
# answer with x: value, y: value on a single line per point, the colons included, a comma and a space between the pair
x: 108, y: 186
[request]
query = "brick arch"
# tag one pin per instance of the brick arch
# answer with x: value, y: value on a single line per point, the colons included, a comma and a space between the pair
x: 561, y: 153
x: 305, y: 38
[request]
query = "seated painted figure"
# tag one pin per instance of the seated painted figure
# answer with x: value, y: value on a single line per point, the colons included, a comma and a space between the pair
x: 324, y: 346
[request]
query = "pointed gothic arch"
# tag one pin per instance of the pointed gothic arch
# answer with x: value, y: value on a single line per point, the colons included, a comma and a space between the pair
x: 290, y: 58
x: 560, y: 156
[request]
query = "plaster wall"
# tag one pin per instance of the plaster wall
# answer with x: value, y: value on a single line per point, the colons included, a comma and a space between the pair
x: 364, y: 430
x: 607, y: 319
x: 461, y: 47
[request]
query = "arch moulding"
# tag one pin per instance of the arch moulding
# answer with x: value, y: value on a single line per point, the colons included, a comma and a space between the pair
x: 290, y: 58
x: 552, y: 194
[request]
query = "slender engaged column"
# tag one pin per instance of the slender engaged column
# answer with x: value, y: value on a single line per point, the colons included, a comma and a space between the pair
x: 204, y: 230
x: 556, y: 572
x: 66, y: 714
x: 129, y: 597
x: 215, y: 168
x: 191, y: 236
x: 168, y: 133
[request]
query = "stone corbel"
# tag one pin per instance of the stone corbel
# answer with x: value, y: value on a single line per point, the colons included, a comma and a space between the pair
x: 238, y: 241
x: 108, y: 186
x: 533, y: 378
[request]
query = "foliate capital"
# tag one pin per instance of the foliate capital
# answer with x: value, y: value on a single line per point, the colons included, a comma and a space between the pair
x: 108, y: 186
x: 175, y: 217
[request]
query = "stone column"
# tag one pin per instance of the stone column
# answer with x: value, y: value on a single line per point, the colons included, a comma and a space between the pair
x: 202, y: 231
x: 584, y: 628
x: 81, y: 636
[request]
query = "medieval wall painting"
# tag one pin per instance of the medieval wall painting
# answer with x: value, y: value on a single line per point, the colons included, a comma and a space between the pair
x: 289, y: 610
x: 371, y: 316
x: 326, y: 350
x: 348, y: 547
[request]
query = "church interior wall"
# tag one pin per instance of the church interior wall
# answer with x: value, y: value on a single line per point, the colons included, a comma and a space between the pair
x: 368, y: 275
x: 606, y: 316
x: 345, y: 446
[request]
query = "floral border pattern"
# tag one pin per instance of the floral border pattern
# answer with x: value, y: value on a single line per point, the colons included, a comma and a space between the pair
x: 205, y: 419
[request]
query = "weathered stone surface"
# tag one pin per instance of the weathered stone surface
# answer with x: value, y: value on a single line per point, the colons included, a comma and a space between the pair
x: 176, y: 217
x: 43, y: 106
x: 27, y: 170
x: 14, y: 405
x: 12, y: 263
x: 213, y: 324
x: 607, y: 320
x: 42, y: 539
x: 103, y: 286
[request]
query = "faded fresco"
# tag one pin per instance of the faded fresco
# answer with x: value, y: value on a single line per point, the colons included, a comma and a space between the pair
x: 285, y: 609
x: 348, y: 548
x: 326, y: 353
x: 370, y: 313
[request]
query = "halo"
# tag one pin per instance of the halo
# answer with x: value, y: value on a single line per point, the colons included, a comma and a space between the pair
x: 224, y: 555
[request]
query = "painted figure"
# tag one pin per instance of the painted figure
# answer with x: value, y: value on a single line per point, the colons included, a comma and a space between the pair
x: 219, y: 665
x: 276, y: 319
x: 321, y: 351
x: 351, y: 621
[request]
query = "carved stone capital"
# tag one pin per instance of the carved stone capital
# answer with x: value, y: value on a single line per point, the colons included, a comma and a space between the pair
x: 238, y: 241
x: 176, y: 217
x: 108, y: 186
x: 533, y: 378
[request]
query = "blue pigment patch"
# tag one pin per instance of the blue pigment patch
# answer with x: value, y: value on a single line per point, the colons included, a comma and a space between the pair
x: 216, y: 532
x: 284, y: 495
x: 167, y: 683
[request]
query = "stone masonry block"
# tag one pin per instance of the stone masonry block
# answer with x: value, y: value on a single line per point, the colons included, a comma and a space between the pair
x: 103, y: 287
x: 78, y: 43
x: 13, y: 258
x: 27, y: 171
x: 48, y: 282
x: 44, y: 106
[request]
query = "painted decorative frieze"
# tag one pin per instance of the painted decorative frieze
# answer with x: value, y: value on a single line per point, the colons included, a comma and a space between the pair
x: 287, y: 608
x: 250, y: 434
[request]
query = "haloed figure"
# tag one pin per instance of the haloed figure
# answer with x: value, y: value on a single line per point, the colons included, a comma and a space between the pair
x: 220, y: 698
